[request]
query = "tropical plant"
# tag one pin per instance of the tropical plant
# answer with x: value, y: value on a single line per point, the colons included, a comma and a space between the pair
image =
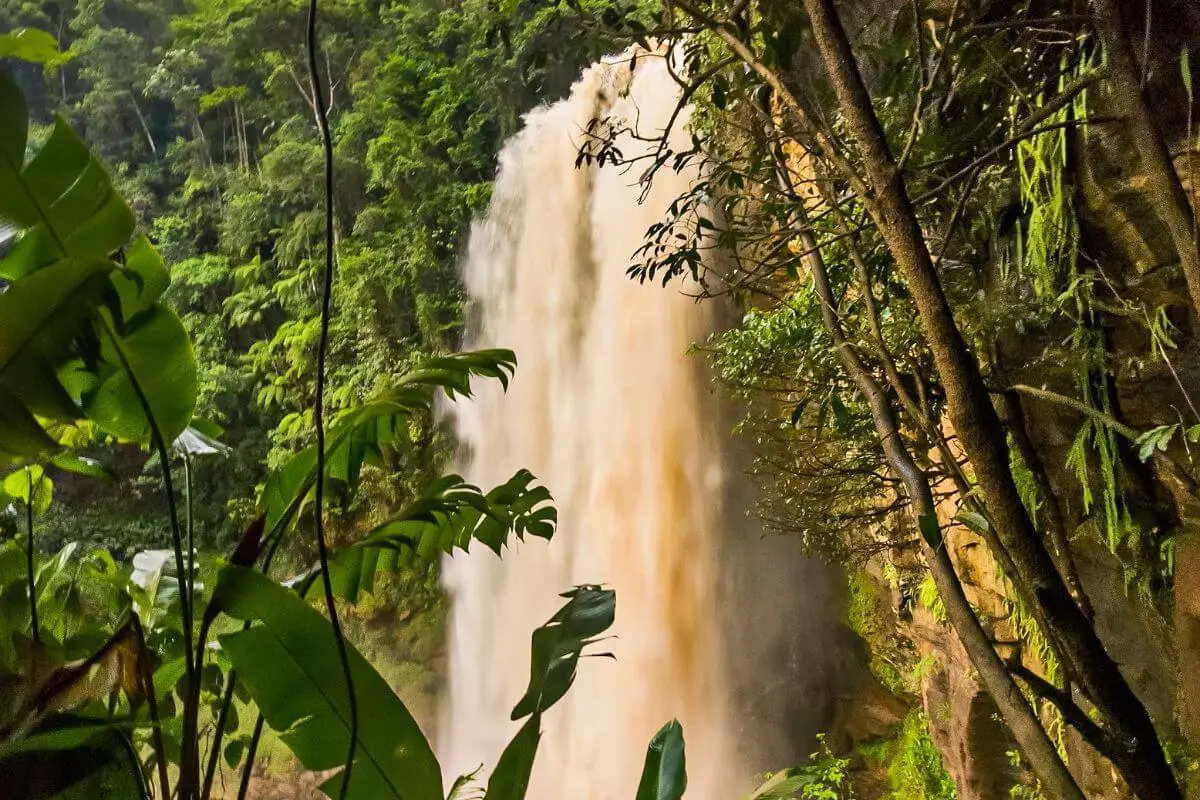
x: 112, y: 675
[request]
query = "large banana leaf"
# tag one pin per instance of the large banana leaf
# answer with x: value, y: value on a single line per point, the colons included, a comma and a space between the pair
x: 80, y: 334
x: 290, y: 666
x: 62, y: 198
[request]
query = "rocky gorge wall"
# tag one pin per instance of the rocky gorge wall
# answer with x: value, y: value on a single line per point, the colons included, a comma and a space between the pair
x: 1145, y: 591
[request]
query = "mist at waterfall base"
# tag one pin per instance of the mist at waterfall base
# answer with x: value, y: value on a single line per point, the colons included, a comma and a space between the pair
x: 725, y: 629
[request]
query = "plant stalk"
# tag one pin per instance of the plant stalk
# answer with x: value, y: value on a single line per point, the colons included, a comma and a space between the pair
x: 33, y: 612
x: 321, y: 107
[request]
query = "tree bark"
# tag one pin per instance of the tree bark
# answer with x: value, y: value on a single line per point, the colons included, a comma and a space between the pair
x: 1031, y: 737
x: 1166, y: 190
x: 1056, y: 525
x: 1140, y: 761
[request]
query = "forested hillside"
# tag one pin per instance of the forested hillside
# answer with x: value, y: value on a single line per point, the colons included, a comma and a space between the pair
x: 204, y: 115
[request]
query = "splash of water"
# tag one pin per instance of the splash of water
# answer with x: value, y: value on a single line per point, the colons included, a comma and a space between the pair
x: 610, y: 412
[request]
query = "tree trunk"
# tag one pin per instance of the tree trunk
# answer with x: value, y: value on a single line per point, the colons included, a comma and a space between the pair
x: 142, y: 121
x: 1140, y: 761
x: 1032, y: 738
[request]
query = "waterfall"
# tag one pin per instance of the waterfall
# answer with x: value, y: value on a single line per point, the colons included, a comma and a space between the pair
x: 611, y: 413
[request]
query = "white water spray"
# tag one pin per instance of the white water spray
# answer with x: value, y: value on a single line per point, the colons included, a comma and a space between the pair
x: 610, y: 412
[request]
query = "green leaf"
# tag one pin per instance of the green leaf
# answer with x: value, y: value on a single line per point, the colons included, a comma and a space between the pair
x: 143, y: 279
x: 167, y: 677
x: 154, y: 358
x: 664, y: 777
x: 359, y: 434
x: 449, y: 516
x: 41, y: 315
x: 974, y: 520
x: 290, y: 666
x: 784, y: 785
x: 510, y: 778
x: 931, y: 531
x: 233, y: 752
x: 30, y: 44
x: 81, y: 465
x: 1157, y: 438
x: 64, y: 192
x: 20, y: 433
x: 558, y: 645
x: 14, y: 123
x: 71, y: 758
x: 461, y: 784
x: 28, y: 483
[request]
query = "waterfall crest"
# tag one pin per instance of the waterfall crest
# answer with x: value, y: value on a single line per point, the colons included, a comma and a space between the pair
x: 610, y: 412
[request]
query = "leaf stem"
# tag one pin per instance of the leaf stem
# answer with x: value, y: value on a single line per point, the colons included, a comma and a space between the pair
x: 214, y: 753
x: 33, y: 614
x: 191, y: 541
x: 251, y: 752
x: 187, y: 778
x: 322, y: 109
x: 147, y: 678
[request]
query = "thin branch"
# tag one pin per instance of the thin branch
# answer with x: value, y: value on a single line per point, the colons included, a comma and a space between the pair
x: 1016, y: 139
x: 1170, y: 465
x: 1092, y: 733
x: 1028, y: 22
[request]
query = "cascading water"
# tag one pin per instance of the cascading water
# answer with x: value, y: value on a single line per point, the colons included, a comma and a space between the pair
x: 610, y: 412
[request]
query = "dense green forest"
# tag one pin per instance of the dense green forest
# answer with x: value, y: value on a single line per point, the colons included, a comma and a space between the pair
x: 204, y: 115
x: 962, y: 244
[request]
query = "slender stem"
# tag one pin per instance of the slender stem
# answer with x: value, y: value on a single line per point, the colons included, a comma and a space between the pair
x: 191, y: 540
x: 319, y: 402
x: 214, y: 754
x: 251, y: 752
x: 33, y: 617
x: 147, y: 679
x: 187, y: 777
x: 1170, y: 465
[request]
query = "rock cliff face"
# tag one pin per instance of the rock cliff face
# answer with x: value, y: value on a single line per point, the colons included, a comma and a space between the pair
x: 1145, y: 590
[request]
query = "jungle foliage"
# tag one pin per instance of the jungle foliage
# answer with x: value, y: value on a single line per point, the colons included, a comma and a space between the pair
x: 942, y: 240
x: 131, y: 680
x: 956, y: 229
